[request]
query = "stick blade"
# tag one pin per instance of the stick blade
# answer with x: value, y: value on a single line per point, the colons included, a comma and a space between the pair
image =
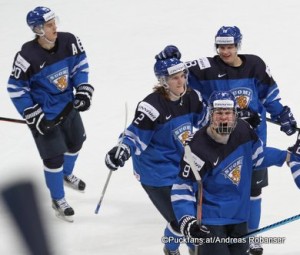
x: 97, y: 209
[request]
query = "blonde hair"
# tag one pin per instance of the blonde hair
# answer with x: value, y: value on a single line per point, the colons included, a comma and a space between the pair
x: 164, y: 91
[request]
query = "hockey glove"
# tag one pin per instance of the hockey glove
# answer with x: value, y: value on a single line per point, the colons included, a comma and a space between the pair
x: 190, y: 228
x: 253, y: 118
x: 114, y: 160
x: 294, y: 162
x: 35, y: 119
x: 169, y: 51
x: 287, y: 121
x: 83, y: 97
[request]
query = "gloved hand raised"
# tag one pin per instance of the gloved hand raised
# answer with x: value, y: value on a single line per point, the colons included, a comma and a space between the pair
x: 253, y: 118
x: 113, y: 159
x: 169, y: 51
x: 35, y: 119
x: 83, y: 97
x: 287, y: 121
x: 190, y: 228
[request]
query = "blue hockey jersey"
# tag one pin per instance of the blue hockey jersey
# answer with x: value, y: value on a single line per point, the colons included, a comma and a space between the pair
x: 226, y: 171
x: 157, y: 133
x: 48, y: 77
x: 251, y: 83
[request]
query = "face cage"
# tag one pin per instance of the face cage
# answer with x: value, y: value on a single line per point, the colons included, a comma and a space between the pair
x: 223, y: 128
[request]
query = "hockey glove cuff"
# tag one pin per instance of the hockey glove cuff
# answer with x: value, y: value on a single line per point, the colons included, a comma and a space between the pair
x: 83, y: 97
x: 287, y: 121
x: 190, y: 228
x: 114, y: 159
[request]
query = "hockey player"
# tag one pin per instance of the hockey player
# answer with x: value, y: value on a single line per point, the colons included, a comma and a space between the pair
x: 225, y: 152
x: 250, y: 80
x: 163, y: 121
x: 45, y: 74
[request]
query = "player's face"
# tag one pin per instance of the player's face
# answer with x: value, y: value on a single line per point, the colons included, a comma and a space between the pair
x: 223, y: 120
x: 177, y: 83
x: 228, y: 53
x: 50, y: 30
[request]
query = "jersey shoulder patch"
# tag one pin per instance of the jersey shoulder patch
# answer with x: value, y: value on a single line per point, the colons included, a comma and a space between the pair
x: 22, y: 63
x: 198, y: 162
x: 148, y: 110
x: 186, y: 171
x: 203, y: 63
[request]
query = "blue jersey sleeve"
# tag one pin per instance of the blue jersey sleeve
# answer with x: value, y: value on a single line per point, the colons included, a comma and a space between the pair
x: 139, y: 133
x: 183, y: 198
x: 267, y: 156
x: 19, y: 84
x: 268, y: 90
x: 80, y: 70
x: 294, y: 165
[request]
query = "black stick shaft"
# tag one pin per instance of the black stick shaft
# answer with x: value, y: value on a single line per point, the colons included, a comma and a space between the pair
x: 13, y: 120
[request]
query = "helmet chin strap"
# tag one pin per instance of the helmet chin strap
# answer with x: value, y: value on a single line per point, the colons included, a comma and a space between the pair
x: 46, y: 39
x: 173, y: 95
x: 42, y: 35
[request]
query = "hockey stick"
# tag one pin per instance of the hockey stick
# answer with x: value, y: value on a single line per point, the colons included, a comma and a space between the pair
x: 13, y: 120
x: 190, y: 160
x: 51, y: 123
x: 274, y: 225
x: 116, y: 156
x: 277, y: 123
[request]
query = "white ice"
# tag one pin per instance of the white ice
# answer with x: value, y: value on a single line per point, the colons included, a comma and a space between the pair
x: 121, y: 39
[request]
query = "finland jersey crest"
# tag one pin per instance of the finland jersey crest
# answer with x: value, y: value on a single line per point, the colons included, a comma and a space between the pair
x: 233, y: 171
x: 182, y: 132
x: 243, y: 97
x: 60, y: 78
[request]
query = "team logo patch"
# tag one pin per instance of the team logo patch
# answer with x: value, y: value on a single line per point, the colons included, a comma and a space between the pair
x: 233, y: 171
x: 243, y: 97
x: 60, y: 79
x: 183, y: 132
